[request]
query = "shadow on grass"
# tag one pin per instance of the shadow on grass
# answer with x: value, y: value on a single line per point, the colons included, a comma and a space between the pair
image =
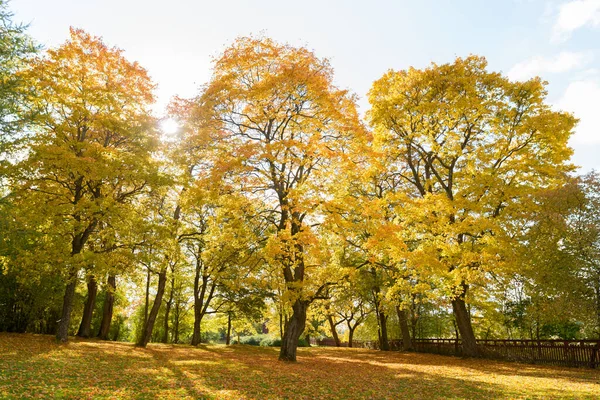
x: 35, y: 366
x: 479, y: 365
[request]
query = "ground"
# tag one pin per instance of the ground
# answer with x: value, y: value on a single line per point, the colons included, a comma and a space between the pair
x: 35, y: 366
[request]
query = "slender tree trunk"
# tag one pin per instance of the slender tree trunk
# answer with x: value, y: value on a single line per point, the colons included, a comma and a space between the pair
x: 334, y: 333
x: 384, y: 343
x: 293, y: 330
x: 198, y: 297
x: 228, y: 337
x: 463, y: 321
x: 107, y: 309
x: 414, y: 319
x: 403, y: 319
x: 281, y: 323
x: 88, y: 310
x: 165, y: 338
x: 147, y: 303
x: 117, y: 331
x: 62, y: 333
x: 176, y: 322
x: 149, y: 326
x: 598, y: 306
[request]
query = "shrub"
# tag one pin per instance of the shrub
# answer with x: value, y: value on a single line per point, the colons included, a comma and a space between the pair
x: 270, y: 342
x: 266, y: 341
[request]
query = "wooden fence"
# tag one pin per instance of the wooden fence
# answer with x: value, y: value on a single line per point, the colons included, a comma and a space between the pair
x: 569, y: 353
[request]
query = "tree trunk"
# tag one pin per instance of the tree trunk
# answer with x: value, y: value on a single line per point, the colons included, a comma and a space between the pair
x: 228, y: 337
x: 147, y: 303
x: 334, y: 331
x: 293, y: 330
x: 463, y: 321
x: 88, y: 310
x: 350, y: 335
x: 598, y: 306
x: 149, y: 326
x: 107, y: 309
x: 281, y: 323
x: 384, y: 343
x: 406, y: 339
x: 62, y: 333
x: 165, y: 338
x: 176, y: 322
x: 201, y: 304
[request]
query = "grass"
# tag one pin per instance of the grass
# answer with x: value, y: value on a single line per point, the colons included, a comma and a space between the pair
x: 34, y: 366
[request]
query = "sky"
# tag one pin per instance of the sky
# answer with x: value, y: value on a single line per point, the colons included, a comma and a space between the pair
x: 176, y: 41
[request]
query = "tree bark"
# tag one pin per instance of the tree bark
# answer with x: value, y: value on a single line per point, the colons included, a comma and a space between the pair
x: 165, y: 338
x: 384, y: 343
x: 149, y: 326
x: 350, y: 335
x: 147, y: 303
x: 293, y: 329
x: 88, y: 310
x: 107, y: 309
x: 406, y: 339
x: 334, y: 333
x: 62, y: 333
x: 176, y: 322
x: 463, y: 321
x: 228, y: 337
x: 201, y: 301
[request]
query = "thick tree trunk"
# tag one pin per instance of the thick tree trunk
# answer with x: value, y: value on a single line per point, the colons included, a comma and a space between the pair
x: 350, y: 335
x: 228, y: 337
x: 197, y: 334
x: 200, y: 305
x: 463, y: 322
x: 293, y: 330
x: 165, y: 338
x: 88, y: 310
x: 149, y: 326
x: 334, y: 333
x: 62, y: 333
x: 107, y: 309
x: 384, y: 343
x: 403, y: 319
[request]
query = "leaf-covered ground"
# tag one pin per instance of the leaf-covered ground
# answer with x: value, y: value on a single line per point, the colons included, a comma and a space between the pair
x: 34, y: 366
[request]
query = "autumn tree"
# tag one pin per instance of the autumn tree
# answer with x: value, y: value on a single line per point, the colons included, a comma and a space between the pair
x: 560, y: 278
x: 89, y: 153
x: 281, y: 124
x: 470, y: 148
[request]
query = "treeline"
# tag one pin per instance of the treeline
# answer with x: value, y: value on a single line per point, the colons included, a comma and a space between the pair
x: 451, y: 210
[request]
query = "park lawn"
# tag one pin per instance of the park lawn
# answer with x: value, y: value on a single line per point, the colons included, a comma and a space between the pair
x: 35, y: 366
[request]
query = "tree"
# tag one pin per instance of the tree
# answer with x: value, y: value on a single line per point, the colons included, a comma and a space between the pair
x: 16, y: 48
x: 470, y: 148
x: 89, y: 154
x: 281, y: 124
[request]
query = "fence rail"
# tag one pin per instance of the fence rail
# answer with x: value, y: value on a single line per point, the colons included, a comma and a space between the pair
x: 568, y: 353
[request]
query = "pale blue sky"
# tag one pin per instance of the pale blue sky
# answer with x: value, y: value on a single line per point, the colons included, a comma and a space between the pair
x: 175, y: 40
